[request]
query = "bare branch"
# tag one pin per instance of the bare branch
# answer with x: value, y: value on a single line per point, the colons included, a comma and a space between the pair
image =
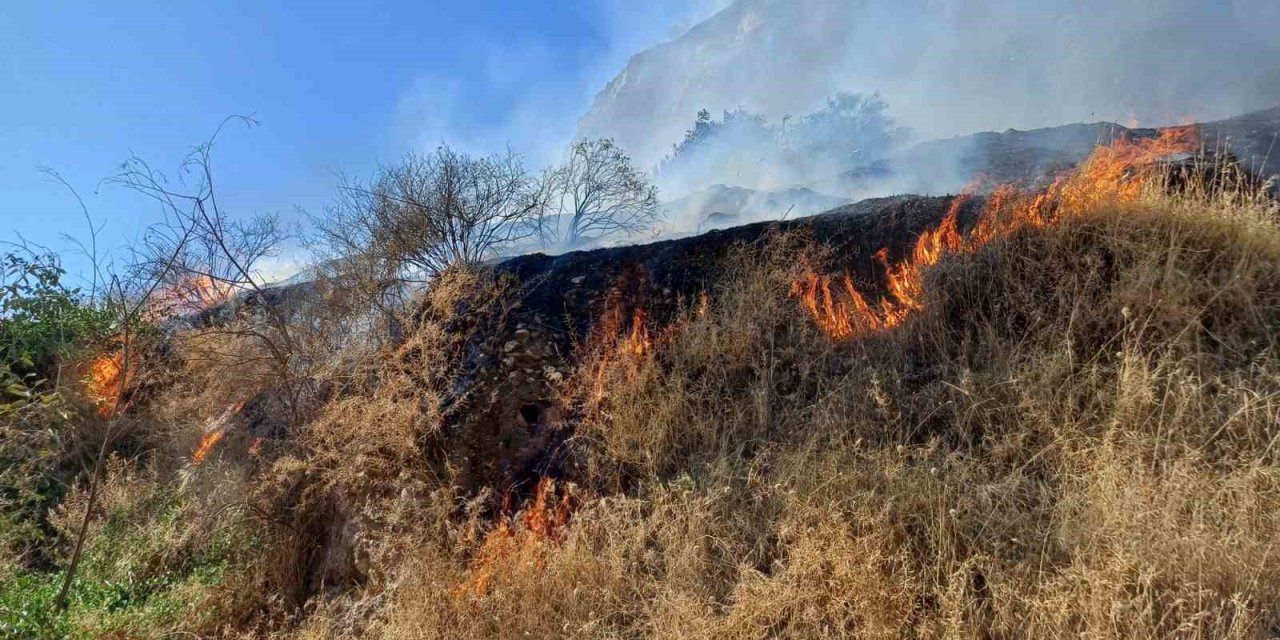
x: 597, y: 193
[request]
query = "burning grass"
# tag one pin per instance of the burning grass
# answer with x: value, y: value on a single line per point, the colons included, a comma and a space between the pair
x: 1060, y: 419
x: 1118, y: 174
x: 188, y: 296
x: 106, y: 379
x: 520, y: 543
x: 1065, y: 400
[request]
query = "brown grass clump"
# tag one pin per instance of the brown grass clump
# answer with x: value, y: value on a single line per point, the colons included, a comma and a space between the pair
x: 362, y: 486
x: 391, y: 407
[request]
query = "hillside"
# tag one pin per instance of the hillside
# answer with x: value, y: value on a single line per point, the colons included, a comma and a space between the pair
x: 882, y: 319
x: 1024, y: 65
x: 962, y: 416
x: 1039, y: 155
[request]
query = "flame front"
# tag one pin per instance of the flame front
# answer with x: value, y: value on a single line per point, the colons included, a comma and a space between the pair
x: 839, y: 316
x: 638, y: 342
x: 190, y: 295
x: 525, y: 547
x: 1118, y: 173
x: 105, y: 379
x: 216, y: 431
x: 207, y: 444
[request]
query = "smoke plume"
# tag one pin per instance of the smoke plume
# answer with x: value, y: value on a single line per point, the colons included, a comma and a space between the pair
x: 949, y: 67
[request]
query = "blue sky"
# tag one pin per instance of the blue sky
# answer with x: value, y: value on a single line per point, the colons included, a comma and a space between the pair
x: 334, y: 86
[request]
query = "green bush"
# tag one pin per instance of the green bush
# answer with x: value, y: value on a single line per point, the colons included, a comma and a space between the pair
x: 44, y: 324
x: 42, y: 320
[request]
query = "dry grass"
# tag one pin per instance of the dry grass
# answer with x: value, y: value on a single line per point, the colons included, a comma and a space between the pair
x: 1078, y: 436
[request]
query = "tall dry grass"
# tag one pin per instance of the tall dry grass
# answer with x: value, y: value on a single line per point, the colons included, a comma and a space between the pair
x: 1077, y: 437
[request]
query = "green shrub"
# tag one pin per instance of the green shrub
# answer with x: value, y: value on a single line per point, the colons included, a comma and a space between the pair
x: 44, y: 324
x: 150, y: 562
x: 42, y: 320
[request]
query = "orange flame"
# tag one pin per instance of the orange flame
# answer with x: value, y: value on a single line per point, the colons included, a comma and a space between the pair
x: 612, y: 333
x: 190, y: 295
x: 839, y: 318
x: 546, y: 518
x: 105, y: 379
x: 1118, y: 173
x: 207, y: 443
x: 638, y: 342
x: 525, y: 547
x: 215, y: 432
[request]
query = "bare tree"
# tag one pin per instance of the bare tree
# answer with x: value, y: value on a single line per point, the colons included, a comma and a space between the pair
x: 196, y: 255
x: 202, y: 256
x: 429, y: 212
x: 197, y: 250
x: 419, y: 217
x: 597, y: 193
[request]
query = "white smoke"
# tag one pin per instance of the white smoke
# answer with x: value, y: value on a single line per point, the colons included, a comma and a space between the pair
x: 951, y: 67
x: 538, y: 97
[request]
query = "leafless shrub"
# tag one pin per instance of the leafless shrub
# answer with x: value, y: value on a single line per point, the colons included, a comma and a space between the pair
x: 417, y: 218
x: 596, y: 194
x: 428, y: 212
x: 203, y: 258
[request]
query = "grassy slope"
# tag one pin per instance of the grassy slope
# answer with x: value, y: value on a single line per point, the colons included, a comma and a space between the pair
x: 1077, y: 435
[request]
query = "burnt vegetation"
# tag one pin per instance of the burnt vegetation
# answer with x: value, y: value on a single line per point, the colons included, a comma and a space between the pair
x: 1041, y: 410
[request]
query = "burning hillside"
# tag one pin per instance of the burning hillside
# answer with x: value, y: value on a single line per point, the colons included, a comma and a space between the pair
x: 773, y: 346
x: 1115, y: 175
x: 905, y: 416
x: 1037, y: 383
x: 868, y: 276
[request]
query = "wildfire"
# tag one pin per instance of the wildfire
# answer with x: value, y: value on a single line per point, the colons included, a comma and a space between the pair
x: 615, y: 333
x: 524, y: 547
x: 207, y: 444
x: 1118, y: 173
x: 839, y: 316
x: 638, y: 342
x: 546, y: 518
x: 104, y: 380
x: 215, y: 432
x: 190, y: 295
